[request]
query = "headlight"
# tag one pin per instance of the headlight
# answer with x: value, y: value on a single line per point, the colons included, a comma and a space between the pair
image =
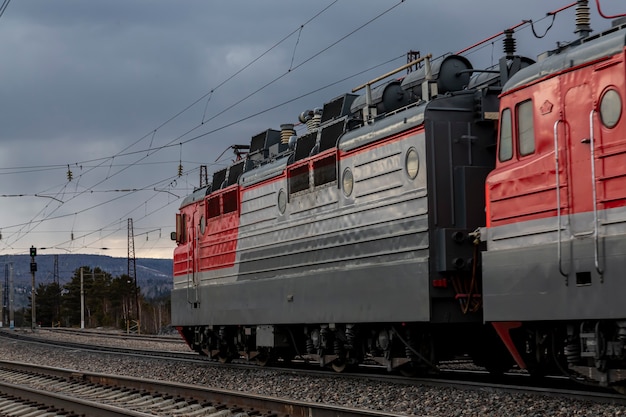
x: 282, y: 201
x: 348, y: 182
x: 412, y: 163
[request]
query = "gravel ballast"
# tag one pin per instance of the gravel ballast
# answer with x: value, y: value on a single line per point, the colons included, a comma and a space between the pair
x: 376, y: 395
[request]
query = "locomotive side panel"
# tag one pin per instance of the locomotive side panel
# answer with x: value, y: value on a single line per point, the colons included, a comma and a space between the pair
x: 329, y: 258
x: 525, y: 283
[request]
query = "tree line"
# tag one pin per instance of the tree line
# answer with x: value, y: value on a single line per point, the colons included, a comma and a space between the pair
x: 108, y: 302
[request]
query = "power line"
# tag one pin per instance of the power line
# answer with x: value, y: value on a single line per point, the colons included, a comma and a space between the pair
x: 214, y: 131
x: 4, y: 6
x: 49, y: 216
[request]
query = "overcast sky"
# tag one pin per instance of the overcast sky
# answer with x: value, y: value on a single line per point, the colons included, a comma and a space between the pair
x: 92, y: 88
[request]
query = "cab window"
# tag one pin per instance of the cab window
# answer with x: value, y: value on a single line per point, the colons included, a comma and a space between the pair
x: 525, y: 128
x: 506, y: 136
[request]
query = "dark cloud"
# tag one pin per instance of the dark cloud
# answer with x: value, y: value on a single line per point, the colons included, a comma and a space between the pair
x: 85, y: 81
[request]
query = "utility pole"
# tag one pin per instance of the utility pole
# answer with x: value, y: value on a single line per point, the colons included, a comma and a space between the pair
x: 2, y: 293
x: 82, y: 301
x: 57, y: 297
x: 33, y: 269
x: 11, y: 292
x: 132, y: 269
x: 11, y: 309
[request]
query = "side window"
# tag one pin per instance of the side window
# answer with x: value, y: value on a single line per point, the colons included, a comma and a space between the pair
x: 230, y: 201
x: 506, y: 136
x: 213, y: 207
x: 525, y: 128
x: 324, y: 170
x: 299, y: 179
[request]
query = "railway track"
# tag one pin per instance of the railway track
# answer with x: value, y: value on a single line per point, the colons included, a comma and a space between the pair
x: 462, y: 379
x: 161, y: 354
x: 173, y: 338
x: 54, y: 389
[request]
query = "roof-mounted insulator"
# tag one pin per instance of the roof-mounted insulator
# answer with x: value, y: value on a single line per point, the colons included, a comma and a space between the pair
x: 509, y: 43
x: 286, y: 132
x: 180, y: 160
x: 314, y: 122
x: 583, y: 27
x: 312, y: 119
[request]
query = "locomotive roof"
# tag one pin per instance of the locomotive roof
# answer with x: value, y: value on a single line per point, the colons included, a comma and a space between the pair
x: 197, y: 195
x: 410, y: 117
x: 264, y: 172
x: 605, y: 44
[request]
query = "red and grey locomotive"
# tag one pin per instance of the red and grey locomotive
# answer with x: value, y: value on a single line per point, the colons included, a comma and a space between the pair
x: 450, y: 212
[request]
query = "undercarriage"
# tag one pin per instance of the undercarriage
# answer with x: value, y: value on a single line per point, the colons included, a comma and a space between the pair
x: 411, y: 349
x: 592, y: 351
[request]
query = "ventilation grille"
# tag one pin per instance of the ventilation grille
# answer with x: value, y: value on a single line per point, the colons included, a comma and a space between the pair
x: 305, y: 145
x: 337, y: 107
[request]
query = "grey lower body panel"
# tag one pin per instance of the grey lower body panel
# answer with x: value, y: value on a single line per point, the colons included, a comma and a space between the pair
x: 525, y: 284
x: 372, y: 292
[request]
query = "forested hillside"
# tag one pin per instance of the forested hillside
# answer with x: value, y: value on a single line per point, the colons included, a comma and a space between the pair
x: 110, y: 298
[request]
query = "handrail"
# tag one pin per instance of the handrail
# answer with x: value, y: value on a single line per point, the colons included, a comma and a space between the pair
x: 193, y: 250
x: 594, y: 193
x: 189, y: 251
x: 367, y: 110
x: 558, y: 197
x: 392, y: 72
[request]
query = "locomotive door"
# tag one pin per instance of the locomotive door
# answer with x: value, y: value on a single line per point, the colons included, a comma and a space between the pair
x: 193, y: 258
x: 578, y: 103
x: 582, y: 141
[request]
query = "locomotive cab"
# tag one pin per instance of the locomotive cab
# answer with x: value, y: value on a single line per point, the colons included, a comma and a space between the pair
x: 556, y: 210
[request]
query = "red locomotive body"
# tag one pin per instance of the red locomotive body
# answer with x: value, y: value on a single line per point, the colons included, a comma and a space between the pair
x: 553, y: 273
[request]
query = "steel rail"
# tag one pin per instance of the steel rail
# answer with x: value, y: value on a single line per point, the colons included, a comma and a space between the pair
x: 45, y: 399
x: 253, y: 404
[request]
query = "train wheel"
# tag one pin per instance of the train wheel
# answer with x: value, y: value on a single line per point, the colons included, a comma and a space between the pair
x: 621, y: 389
x: 498, y: 366
x: 286, y: 355
x: 409, y: 370
x: 263, y: 358
x: 339, y: 365
x: 224, y: 357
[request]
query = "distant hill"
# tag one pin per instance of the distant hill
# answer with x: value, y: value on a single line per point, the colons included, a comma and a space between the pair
x: 154, y: 276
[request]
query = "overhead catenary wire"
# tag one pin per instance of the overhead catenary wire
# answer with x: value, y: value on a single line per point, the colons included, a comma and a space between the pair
x: 90, y: 189
x: 111, y: 173
x: 4, y: 6
x: 152, y: 133
x: 226, y: 126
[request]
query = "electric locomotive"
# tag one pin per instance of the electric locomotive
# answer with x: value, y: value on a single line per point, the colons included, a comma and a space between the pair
x: 553, y: 272
x: 349, y: 242
x: 450, y: 211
